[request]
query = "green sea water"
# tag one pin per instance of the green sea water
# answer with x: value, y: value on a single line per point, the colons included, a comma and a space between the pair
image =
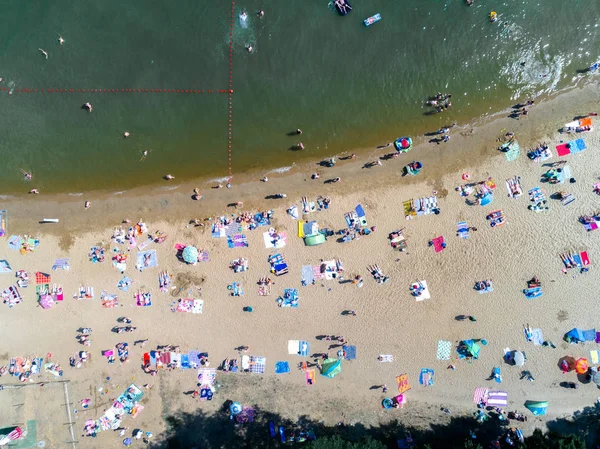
x: 345, y: 85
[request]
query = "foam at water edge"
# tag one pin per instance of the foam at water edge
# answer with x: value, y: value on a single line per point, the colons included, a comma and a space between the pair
x: 76, y: 194
x: 282, y: 169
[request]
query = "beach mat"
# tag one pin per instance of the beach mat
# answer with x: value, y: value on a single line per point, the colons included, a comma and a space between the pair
x: 589, y: 335
x: 350, y: 352
x: 537, y: 338
x: 443, y: 350
x: 310, y: 377
x: 497, y: 399
x: 152, y: 261
x: 426, y: 377
x: 308, y: 275
x: 438, y: 244
x: 282, y: 367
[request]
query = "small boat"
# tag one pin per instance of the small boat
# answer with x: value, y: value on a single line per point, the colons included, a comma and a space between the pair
x: 413, y: 168
x: 403, y: 144
x: 343, y: 7
x: 493, y: 16
x: 371, y: 20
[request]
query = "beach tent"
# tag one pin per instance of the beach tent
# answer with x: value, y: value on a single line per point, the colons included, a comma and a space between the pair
x: 331, y: 368
x: 314, y: 240
x: 468, y: 348
x: 537, y: 407
x: 190, y: 254
x: 574, y: 336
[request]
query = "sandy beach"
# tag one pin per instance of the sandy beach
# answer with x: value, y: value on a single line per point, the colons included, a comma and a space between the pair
x: 388, y: 318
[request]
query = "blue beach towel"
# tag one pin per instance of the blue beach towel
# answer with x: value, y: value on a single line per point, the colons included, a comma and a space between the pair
x: 15, y: 241
x: 426, y: 377
x: 282, y: 367
x: 350, y: 352
x: 124, y: 284
x: 185, y: 361
x: 577, y: 146
x: 142, y: 263
x: 589, y: 335
x: 304, y: 348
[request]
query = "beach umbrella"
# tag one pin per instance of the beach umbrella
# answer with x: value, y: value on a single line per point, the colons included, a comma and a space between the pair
x: 581, y: 366
x: 190, y: 254
x: 518, y: 358
x: 47, y: 302
x: 567, y: 363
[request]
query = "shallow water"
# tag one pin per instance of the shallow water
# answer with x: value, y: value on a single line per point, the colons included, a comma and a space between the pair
x: 345, y: 85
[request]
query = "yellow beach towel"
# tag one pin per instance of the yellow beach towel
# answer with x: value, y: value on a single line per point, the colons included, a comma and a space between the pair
x: 301, y: 229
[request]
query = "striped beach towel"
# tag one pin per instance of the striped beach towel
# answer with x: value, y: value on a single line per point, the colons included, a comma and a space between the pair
x: 480, y: 395
x: 463, y: 230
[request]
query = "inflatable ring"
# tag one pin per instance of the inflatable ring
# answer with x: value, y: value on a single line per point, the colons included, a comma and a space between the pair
x: 466, y: 176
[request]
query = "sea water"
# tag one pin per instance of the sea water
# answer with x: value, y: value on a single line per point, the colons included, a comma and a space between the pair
x: 345, y: 85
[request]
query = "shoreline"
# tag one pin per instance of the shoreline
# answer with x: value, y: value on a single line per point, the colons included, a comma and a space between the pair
x: 470, y: 146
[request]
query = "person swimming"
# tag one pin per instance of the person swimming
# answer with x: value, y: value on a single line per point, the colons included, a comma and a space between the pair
x: 61, y: 40
x: 44, y: 52
x: 28, y: 175
x: 88, y: 107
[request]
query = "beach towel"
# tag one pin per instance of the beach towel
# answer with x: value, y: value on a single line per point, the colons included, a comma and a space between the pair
x: 11, y: 296
x: 463, y: 230
x: 237, y: 241
x: 257, y: 364
x: 310, y: 228
x: 277, y: 240
x: 585, y: 260
x: 308, y: 275
x: 480, y: 395
x: 146, y: 259
x: 589, y: 335
x: 438, y: 244
x: 188, y: 305
x: 4, y: 267
x: 15, y: 242
x: 594, y: 356
x: 426, y: 377
x: 206, y: 376
x: 108, y: 301
x: 203, y: 256
x: 512, y: 150
x: 497, y: 399
x: 142, y: 246
x: 124, y: 283
x: 385, y: 358
x: 591, y: 226
x: 293, y: 212
x: 350, y: 352
x: 403, y: 384
x: 424, y: 290
x: 282, y: 367
x: 444, y: 349
x: 42, y: 278
x: 310, y: 377
x: 143, y: 299
x: 61, y: 264
x: 261, y: 220
x: 289, y: 298
x: 537, y: 338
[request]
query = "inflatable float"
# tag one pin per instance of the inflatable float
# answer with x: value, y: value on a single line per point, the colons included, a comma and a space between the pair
x: 403, y: 144
x: 373, y: 19
x: 493, y: 16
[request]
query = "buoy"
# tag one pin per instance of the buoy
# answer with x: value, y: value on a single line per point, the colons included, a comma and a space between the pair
x: 466, y: 176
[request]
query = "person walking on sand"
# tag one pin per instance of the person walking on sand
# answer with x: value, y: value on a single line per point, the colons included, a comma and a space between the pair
x: 87, y: 205
x: 384, y: 388
x: 169, y: 177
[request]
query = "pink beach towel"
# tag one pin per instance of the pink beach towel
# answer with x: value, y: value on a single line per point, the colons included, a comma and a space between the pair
x: 439, y: 244
x: 180, y: 246
x: 563, y: 149
x: 585, y: 260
